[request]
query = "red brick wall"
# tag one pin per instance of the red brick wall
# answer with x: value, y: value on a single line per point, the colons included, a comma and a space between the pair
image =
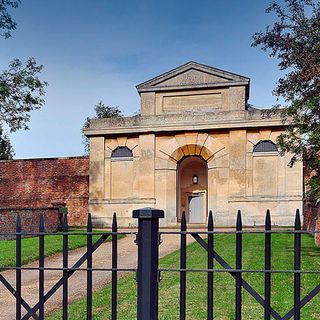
x: 311, y: 210
x: 317, y: 236
x: 311, y: 219
x: 29, y: 220
x: 38, y: 183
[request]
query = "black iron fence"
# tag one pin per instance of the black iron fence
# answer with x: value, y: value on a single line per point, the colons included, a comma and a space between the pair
x: 148, y: 239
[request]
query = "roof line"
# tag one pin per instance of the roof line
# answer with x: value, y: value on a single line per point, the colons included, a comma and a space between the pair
x: 48, y: 158
x: 167, y: 73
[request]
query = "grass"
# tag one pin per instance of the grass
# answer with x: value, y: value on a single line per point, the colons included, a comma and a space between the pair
x: 30, y: 247
x: 224, y: 303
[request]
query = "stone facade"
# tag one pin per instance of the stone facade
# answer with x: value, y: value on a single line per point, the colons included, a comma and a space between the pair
x: 45, y: 183
x: 193, y: 148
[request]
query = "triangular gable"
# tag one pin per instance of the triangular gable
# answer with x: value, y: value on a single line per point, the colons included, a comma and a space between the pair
x: 192, y: 75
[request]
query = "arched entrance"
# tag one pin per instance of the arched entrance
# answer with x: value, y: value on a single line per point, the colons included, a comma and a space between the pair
x: 192, y: 189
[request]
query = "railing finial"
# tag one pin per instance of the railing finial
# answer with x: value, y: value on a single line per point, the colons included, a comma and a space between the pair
x: 297, y: 222
x: 268, y: 220
x: 239, y: 220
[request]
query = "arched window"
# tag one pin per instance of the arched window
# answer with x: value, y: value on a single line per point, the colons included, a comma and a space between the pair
x: 121, y: 152
x: 265, y: 146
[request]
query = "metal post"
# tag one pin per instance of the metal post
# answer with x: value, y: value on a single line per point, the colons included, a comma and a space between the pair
x: 297, y: 267
x: 148, y: 262
x: 239, y: 267
x: 183, y: 265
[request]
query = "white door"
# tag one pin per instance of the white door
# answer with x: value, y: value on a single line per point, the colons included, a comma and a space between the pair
x: 196, y: 209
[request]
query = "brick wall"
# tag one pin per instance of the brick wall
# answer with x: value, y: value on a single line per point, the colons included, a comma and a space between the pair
x: 311, y: 210
x: 311, y: 219
x: 43, y: 183
x: 29, y: 220
x: 317, y: 236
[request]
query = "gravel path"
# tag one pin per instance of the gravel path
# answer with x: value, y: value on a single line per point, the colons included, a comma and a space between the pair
x: 127, y: 258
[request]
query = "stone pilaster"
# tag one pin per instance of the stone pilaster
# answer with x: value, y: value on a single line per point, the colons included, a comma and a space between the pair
x: 96, y: 170
x: 146, y: 164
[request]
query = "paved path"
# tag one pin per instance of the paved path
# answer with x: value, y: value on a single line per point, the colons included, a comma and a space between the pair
x: 127, y: 258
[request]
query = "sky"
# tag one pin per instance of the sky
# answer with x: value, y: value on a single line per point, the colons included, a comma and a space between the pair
x: 101, y: 49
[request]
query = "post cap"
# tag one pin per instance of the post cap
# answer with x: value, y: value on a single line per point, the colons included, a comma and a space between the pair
x: 148, y: 213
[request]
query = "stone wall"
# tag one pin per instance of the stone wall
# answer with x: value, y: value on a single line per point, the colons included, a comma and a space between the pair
x: 44, y: 183
x: 237, y: 177
x: 29, y: 220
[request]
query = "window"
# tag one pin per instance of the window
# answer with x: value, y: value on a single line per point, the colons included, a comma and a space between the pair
x: 121, y: 152
x: 265, y: 169
x: 121, y: 173
x: 265, y: 146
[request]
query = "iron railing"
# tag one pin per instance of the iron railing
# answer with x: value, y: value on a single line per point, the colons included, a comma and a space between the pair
x: 240, y: 283
x: 148, y: 271
x: 37, y: 311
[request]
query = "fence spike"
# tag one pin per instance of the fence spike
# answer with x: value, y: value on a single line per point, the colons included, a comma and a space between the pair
x: 41, y: 223
x: 297, y: 222
x: 65, y: 223
x: 210, y: 220
x: 239, y: 220
x: 268, y: 219
x: 183, y: 222
x: 18, y: 223
x: 89, y: 222
x: 114, y: 222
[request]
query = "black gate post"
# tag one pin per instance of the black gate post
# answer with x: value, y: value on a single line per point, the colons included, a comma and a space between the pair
x: 148, y: 262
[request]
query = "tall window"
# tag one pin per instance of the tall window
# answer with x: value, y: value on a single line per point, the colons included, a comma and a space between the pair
x: 122, y: 173
x: 265, y: 168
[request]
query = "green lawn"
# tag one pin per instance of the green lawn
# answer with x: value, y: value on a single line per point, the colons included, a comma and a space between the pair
x: 30, y: 247
x: 282, y: 284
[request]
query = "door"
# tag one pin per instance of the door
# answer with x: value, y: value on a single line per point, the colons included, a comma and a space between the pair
x: 196, y: 208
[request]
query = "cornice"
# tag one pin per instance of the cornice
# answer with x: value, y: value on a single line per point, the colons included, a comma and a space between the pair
x: 182, y: 122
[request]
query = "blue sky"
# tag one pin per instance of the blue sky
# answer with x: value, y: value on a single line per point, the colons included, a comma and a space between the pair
x: 100, y: 49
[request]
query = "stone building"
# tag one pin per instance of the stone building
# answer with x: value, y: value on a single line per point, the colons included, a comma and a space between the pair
x: 197, y: 145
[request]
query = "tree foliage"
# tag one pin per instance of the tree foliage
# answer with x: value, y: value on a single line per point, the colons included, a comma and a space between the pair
x: 101, y: 111
x: 21, y: 90
x: 6, y: 150
x: 7, y: 24
x: 294, y: 40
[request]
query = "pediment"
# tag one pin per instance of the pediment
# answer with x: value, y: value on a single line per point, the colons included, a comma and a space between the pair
x: 192, y: 75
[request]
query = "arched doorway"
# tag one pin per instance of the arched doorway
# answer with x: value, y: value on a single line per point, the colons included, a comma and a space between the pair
x: 192, y: 189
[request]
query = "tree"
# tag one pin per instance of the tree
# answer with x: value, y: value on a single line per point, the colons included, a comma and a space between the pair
x: 6, y: 150
x: 6, y: 22
x: 101, y: 111
x: 294, y: 40
x: 21, y: 90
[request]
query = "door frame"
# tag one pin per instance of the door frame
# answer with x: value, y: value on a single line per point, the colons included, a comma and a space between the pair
x: 206, y: 192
